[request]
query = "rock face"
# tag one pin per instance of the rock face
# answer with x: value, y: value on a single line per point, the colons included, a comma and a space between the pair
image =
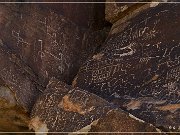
x: 82, y: 14
x: 19, y: 79
x: 123, y: 17
x: 119, y: 122
x: 86, y: 15
x: 136, y: 69
x: 11, y: 113
x: 62, y: 108
x: 115, y: 11
x: 120, y: 13
x: 161, y: 113
x: 38, y: 39
x: 18, y: 92
x: 42, y: 37
x: 38, y: 43
x: 141, y: 61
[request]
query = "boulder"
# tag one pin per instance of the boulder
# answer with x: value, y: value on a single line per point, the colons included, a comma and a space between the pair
x: 37, y: 39
x: 21, y: 81
x: 86, y: 15
x: 119, y: 12
x: 38, y: 43
x: 40, y: 36
x: 161, y: 113
x: 62, y: 108
x: 117, y: 122
x: 116, y: 9
x: 18, y: 91
x: 142, y: 61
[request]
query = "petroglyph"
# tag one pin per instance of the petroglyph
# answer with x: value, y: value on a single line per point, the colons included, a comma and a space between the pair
x: 19, y: 39
x: 62, y: 108
x: 141, y: 61
x: 47, y: 42
x: 41, y: 43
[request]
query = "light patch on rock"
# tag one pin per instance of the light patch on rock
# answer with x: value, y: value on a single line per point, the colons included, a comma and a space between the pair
x: 116, y: 28
x: 170, y: 107
x: 110, y: 111
x: 38, y: 126
x: 85, y: 129
x: 8, y: 96
x: 158, y: 130
x: 1, y: 42
x: 123, y: 8
x: 154, y: 4
x: 74, y: 81
x: 133, y: 105
x: 122, y: 23
x: 70, y: 106
x: 98, y: 56
x: 132, y: 116
x: 154, y: 78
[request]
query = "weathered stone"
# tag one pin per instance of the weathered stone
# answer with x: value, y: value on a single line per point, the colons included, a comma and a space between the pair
x: 18, y: 79
x: 92, y: 41
x: 119, y: 14
x: 159, y: 112
x: 18, y: 92
x: 47, y: 42
x: 115, y: 11
x: 89, y: 14
x: 119, y: 122
x: 37, y: 42
x: 125, y: 9
x: 141, y: 61
x: 36, y: 37
x: 12, y: 116
x: 86, y: 15
x: 62, y: 108
x: 123, y: 21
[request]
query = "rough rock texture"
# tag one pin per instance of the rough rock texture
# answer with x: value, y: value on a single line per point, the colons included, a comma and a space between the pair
x: 86, y: 15
x: 137, y: 69
x: 119, y: 122
x: 37, y: 43
x: 18, y: 79
x: 120, y: 13
x: 124, y: 17
x: 115, y: 11
x: 39, y: 36
x: 35, y: 36
x: 141, y: 61
x: 62, y: 108
x: 11, y: 113
x: 162, y: 113
x: 18, y: 92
